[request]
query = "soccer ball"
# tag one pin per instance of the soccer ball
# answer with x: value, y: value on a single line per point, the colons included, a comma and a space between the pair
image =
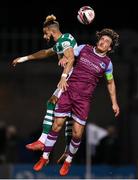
x: 86, y: 15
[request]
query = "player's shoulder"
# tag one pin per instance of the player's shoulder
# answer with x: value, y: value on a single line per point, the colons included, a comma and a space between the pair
x: 108, y: 58
x: 67, y: 36
x: 89, y: 45
x: 63, y: 38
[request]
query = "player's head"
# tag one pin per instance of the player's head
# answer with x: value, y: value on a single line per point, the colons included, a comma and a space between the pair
x: 108, y: 40
x: 50, y: 27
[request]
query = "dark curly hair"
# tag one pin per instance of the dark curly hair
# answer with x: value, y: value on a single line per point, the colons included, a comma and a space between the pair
x: 112, y: 34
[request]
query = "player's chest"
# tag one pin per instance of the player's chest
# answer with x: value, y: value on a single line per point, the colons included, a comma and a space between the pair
x: 93, y: 63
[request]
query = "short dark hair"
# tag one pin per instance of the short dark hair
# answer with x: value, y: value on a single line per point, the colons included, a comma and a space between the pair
x: 112, y: 34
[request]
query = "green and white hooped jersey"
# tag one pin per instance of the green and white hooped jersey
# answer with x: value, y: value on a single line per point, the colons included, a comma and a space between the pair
x: 64, y: 42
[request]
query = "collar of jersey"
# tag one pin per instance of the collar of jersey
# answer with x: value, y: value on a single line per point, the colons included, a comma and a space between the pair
x: 60, y: 37
x: 94, y: 50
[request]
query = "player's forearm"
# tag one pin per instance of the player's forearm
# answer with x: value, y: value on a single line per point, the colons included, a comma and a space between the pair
x: 68, y: 66
x: 69, y: 54
x: 112, y: 91
x: 40, y: 55
x: 63, y: 81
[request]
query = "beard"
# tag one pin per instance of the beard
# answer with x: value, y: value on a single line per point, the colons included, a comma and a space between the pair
x: 50, y: 41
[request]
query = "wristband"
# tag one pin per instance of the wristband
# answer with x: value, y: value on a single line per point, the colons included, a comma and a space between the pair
x: 23, y: 59
x: 64, y: 75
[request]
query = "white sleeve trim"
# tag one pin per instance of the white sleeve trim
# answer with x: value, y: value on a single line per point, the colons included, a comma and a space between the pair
x: 78, y: 49
x: 109, y: 69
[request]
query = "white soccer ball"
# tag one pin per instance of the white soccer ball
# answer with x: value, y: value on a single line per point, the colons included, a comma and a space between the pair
x: 86, y: 15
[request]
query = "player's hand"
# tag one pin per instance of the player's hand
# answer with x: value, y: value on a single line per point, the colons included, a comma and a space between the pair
x: 116, y: 109
x: 63, y: 61
x: 63, y: 84
x: 15, y: 62
x: 20, y: 60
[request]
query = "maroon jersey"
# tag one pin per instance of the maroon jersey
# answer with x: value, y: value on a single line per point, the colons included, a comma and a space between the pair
x: 87, y: 71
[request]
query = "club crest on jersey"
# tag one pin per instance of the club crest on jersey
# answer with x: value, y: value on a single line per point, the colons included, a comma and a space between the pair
x: 102, y: 65
x: 66, y: 44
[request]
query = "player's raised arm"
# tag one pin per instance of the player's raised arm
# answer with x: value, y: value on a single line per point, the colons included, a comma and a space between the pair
x: 69, y: 54
x: 35, y: 56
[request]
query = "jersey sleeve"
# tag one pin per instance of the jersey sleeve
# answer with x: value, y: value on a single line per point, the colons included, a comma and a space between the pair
x: 60, y: 47
x: 109, y: 71
x: 64, y: 42
x: 56, y: 48
x: 65, y: 45
x: 78, y: 49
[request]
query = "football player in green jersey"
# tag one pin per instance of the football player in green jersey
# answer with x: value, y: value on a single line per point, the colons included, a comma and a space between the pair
x: 63, y: 47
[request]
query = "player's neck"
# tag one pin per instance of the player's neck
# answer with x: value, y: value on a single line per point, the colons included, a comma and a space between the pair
x: 57, y: 36
x: 98, y: 53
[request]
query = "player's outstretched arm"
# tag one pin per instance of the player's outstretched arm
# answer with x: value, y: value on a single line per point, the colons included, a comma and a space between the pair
x: 112, y: 91
x: 35, y: 56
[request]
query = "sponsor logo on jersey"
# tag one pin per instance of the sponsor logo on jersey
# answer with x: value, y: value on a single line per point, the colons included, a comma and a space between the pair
x: 91, y: 65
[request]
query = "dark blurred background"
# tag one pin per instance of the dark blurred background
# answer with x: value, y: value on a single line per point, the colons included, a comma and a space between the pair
x: 25, y: 89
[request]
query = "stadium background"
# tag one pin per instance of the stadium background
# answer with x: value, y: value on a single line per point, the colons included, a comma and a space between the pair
x: 25, y: 89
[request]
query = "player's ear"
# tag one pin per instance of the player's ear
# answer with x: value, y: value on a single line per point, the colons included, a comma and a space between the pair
x: 53, y: 31
x: 109, y: 49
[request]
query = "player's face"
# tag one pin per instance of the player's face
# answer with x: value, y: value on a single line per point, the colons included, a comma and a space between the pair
x: 47, y: 34
x: 104, y: 44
